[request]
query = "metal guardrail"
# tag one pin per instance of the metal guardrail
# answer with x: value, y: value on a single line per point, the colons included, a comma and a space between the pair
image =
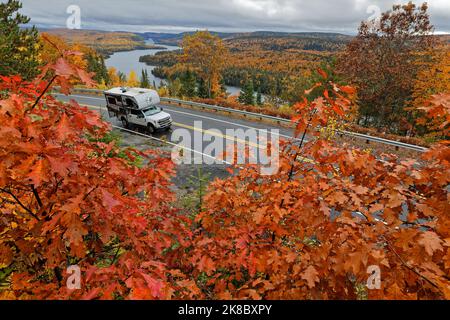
x: 224, y: 109
x: 261, y: 116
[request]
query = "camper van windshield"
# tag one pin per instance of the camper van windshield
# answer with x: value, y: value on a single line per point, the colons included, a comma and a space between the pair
x: 151, y: 111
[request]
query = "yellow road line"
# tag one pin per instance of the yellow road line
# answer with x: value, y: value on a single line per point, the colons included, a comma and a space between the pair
x: 212, y: 133
x: 300, y: 158
x: 220, y: 135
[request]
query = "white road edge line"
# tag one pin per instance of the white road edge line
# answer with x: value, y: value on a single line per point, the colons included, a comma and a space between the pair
x: 164, y: 141
x: 198, y: 116
x: 170, y: 143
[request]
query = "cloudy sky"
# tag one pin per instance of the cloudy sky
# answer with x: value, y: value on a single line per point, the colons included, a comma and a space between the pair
x: 221, y: 15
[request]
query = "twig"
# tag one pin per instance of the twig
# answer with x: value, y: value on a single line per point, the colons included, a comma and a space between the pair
x: 20, y: 203
x: 43, y: 92
x: 36, y: 195
x: 406, y: 265
x: 115, y: 256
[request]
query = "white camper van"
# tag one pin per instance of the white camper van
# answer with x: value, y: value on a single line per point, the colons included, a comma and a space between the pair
x: 137, y: 107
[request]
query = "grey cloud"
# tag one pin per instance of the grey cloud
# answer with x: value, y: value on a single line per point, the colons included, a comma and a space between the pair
x: 222, y: 15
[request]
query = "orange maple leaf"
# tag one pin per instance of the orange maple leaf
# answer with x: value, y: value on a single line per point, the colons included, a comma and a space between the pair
x: 311, y: 276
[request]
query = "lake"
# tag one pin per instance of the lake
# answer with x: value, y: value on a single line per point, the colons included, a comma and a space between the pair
x: 129, y: 60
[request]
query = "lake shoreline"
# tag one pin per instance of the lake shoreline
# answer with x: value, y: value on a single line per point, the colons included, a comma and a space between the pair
x: 107, y: 55
x: 127, y: 61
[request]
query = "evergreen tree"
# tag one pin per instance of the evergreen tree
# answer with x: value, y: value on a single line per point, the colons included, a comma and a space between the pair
x: 247, y: 95
x: 96, y: 64
x: 202, y: 89
x: 19, y: 48
x: 104, y: 70
x: 188, y: 84
x: 122, y: 77
x: 175, y: 88
x: 259, y: 101
x: 145, y: 81
x: 223, y: 87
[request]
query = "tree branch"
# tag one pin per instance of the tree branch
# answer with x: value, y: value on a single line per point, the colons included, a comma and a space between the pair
x: 36, y: 195
x: 20, y: 203
x: 406, y: 265
x: 43, y: 92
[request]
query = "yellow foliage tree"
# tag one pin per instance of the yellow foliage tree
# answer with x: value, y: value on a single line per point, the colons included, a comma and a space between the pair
x: 206, y: 54
x: 49, y: 53
x: 51, y: 46
x: 133, y: 80
x: 434, y: 78
x: 163, y: 91
x: 114, y: 77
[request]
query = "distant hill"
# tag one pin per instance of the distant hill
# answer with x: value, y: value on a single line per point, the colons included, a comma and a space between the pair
x: 268, y: 58
x: 175, y: 39
x: 103, y: 42
x: 445, y: 38
x: 106, y: 42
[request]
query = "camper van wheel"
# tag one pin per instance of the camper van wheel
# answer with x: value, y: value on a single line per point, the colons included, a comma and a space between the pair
x: 124, y: 123
x: 150, y: 128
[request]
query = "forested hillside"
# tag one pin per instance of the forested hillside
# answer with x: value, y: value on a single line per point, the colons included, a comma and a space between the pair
x: 272, y: 61
x: 103, y: 42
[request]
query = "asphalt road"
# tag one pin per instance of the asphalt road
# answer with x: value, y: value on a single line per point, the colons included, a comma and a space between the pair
x: 211, y: 124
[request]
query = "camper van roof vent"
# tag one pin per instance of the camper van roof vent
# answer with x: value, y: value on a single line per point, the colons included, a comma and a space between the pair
x: 124, y: 89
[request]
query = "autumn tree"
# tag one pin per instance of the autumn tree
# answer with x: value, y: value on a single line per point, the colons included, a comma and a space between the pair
x: 329, y: 215
x: 132, y: 80
x: 114, y: 78
x: 383, y: 62
x: 432, y: 79
x: 69, y: 195
x: 18, y: 47
x: 206, y: 55
x: 438, y: 121
x: 88, y: 59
